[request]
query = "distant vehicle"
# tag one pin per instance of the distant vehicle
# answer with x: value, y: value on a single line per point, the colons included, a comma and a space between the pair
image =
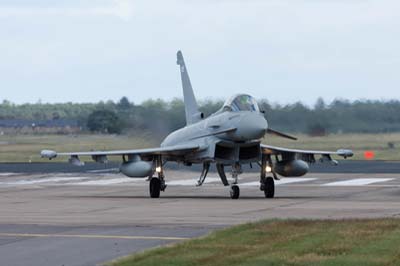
x: 230, y: 137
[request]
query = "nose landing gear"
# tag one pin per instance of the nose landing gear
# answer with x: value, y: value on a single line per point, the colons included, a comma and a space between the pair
x: 235, y: 190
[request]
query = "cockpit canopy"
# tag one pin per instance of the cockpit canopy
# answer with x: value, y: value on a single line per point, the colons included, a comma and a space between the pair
x: 241, y: 102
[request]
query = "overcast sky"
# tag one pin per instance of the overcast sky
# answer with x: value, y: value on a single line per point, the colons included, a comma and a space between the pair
x: 281, y: 50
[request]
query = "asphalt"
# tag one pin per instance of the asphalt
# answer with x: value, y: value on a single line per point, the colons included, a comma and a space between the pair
x: 31, y: 244
x: 345, y: 166
x: 89, y: 218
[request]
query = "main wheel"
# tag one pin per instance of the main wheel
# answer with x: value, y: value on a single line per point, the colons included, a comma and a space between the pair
x: 155, y: 187
x: 269, y: 187
x: 235, y: 192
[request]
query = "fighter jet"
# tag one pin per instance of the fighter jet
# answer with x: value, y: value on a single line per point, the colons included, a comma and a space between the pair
x: 231, y: 137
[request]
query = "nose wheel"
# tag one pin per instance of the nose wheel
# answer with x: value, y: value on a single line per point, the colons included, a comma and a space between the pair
x: 235, y: 192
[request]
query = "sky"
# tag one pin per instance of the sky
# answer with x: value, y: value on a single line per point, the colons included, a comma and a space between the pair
x: 280, y: 50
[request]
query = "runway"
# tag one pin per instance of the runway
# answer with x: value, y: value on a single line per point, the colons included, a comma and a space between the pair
x: 345, y: 166
x: 94, y: 217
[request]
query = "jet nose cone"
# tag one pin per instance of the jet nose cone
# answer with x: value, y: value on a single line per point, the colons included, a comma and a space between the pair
x: 251, y: 126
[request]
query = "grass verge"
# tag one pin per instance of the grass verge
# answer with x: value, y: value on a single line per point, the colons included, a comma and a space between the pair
x: 359, y: 143
x: 25, y: 148
x: 284, y: 242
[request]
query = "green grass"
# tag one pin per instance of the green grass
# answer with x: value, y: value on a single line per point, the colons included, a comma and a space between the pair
x: 23, y: 148
x: 359, y: 143
x: 285, y: 242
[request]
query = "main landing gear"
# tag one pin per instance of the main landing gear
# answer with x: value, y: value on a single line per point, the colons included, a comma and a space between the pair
x: 155, y: 187
x: 267, y: 183
x: 157, y: 184
x: 235, y: 192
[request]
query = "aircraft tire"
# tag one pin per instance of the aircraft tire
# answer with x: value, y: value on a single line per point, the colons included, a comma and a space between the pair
x: 235, y: 192
x: 155, y: 187
x: 269, y: 187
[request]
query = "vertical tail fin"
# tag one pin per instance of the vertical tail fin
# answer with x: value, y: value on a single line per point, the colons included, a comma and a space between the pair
x: 191, y: 109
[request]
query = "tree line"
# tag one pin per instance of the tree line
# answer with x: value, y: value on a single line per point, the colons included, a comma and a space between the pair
x: 161, y: 117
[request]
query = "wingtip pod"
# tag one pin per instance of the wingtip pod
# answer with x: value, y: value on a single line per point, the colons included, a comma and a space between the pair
x: 49, y: 154
x: 345, y: 153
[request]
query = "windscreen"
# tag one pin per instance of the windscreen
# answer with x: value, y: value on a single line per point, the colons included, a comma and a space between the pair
x: 241, y: 102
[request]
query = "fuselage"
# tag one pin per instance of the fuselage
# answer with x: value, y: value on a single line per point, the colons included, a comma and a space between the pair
x: 229, y: 135
x: 245, y: 126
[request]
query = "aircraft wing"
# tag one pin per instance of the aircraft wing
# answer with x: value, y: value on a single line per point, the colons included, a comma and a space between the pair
x: 101, y: 156
x: 305, y: 155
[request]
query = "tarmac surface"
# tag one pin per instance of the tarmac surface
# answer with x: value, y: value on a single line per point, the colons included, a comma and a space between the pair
x: 345, y: 166
x: 95, y: 216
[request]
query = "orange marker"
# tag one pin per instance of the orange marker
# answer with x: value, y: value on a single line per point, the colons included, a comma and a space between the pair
x: 369, y: 155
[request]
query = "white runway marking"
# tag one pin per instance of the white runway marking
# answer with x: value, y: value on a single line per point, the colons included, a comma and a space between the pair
x: 115, y: 180
x: 358, y: 182
x: 104, y: 182
x: 8, y: 174
x: 42, y: 180
x: 192, y: 182
x: 281, y: 182
x: 108, y: 170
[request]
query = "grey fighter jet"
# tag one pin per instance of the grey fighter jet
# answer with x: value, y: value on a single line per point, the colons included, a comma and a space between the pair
x: 231, y: 137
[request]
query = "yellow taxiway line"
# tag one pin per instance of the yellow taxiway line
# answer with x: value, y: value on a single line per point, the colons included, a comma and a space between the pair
x: 93, y: 236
